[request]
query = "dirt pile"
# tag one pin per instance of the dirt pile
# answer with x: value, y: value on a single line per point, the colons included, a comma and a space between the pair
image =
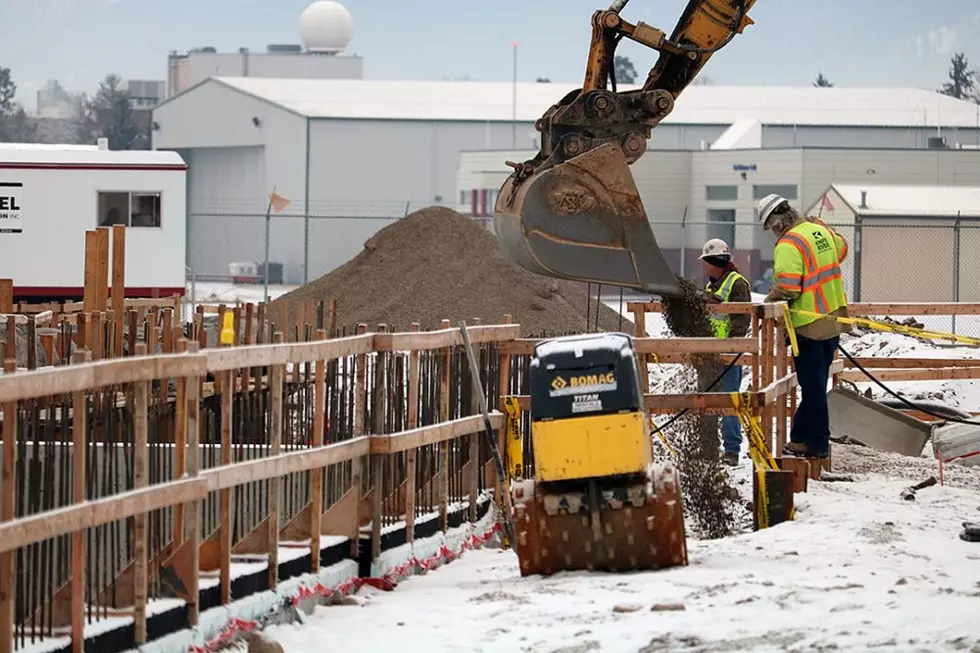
x: 436, y: 264
x: 711, y: 499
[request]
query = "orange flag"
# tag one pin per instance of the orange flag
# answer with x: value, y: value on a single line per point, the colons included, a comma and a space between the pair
x: 278, y: 202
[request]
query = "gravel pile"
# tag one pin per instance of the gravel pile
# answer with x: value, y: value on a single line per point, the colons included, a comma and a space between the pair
x: 436, y: 264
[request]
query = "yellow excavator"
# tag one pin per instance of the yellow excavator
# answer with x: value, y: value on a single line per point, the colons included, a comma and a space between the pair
x: 574, y: 211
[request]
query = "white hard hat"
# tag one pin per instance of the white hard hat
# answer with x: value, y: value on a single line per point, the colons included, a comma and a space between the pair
x: 715, y: 247
x: 768, y: 204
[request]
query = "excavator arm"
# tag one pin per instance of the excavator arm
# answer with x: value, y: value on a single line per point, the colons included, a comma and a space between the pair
x: 574, y: 211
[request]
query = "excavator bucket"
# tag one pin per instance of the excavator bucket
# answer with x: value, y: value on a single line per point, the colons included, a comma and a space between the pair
x: 622, y: 530
x: 583, y: 220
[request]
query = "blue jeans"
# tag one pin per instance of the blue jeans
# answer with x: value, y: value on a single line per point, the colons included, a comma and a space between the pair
x: 731, y: 427
x: 811, y: 423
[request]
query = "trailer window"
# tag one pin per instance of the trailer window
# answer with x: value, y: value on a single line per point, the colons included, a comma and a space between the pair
x: 129, y: 209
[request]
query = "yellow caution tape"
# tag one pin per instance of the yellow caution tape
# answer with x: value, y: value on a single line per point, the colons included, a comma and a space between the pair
x: 514, y: 450
x: 790, y: 330
x: 662, y: 437
x: 762, y: 458
x: 894, y: 328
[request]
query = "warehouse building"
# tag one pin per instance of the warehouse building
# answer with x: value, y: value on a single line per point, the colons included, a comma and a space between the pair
x: 354, y: 155
x: 916, y: 243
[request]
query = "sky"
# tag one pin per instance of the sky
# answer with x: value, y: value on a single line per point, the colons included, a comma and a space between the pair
x: 852, y: 42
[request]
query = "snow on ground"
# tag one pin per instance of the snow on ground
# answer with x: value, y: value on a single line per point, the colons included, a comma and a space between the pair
x: 858, y: 569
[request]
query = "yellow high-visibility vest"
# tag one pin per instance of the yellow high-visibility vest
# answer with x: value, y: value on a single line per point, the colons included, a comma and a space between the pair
x: 721, y: 322
x: 807, y: 260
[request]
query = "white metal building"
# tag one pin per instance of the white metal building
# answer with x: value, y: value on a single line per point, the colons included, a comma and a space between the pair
x: 370, y: 150
x: 914, y: 243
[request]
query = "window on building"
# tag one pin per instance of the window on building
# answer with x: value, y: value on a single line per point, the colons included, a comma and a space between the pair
x: 786, y: 190
x: 727, y: 193
x: 129, y: 209
x: 721, y: 224
x: 464, y: 197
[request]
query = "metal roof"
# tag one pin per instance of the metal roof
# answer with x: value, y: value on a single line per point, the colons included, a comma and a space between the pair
x: 917, y: 201
x: 721, y: 105
x: 18, y: 154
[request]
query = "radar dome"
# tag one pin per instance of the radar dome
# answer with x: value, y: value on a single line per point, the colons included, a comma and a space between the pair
x: 326, y: 26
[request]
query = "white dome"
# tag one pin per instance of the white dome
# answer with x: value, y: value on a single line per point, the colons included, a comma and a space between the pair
x: 326, y: 26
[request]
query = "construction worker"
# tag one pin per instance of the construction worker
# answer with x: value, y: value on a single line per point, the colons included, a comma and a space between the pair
x: 726, y: 284
x: 807, y: 275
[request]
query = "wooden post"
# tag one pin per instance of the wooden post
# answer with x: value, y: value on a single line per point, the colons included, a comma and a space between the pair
x: 90, y: 295
x: 6, y: 296
x: 8, y: 513
x: 411, y: 456
x: 141, y: 393
x: 118, y: 283
x: 357, y: 464
x: 768, y: 336
x: 474, y: 440
x: 782, y: 369
x: 102, y: 238
x: 79, y: 426
x: 444, y: 446
x: 275, y: 442
x: 316, y: 476
x: 504, y: 383
x: 193, y: 509
x: 224, y: 496
x: 180, y: 446
x: 377, y: 461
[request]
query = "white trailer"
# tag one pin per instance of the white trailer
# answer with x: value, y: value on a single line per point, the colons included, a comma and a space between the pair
x: 50, y: 195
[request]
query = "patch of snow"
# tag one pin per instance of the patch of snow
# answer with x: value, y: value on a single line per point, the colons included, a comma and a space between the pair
x: 844, y: 576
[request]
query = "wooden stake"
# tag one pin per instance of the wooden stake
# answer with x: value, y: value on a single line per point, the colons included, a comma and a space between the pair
x: 193, y: 430
x: 6, y: 296
x: 79, y: 425
x: 316, y: 477
x: 141, y: 393
x: 7, y: 513
x: 444, y: 446
x: 224, y: 497
x: 90, y: 296
x: 118, y: 283
x: 411, y: 456
x: 102, y: 238
x: 275, y: 442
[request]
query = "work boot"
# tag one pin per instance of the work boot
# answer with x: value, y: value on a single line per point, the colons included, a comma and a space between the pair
x: 730, y: 458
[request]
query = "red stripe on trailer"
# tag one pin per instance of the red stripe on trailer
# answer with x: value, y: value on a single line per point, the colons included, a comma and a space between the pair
x: 90, y: 166
x: 68, y: 291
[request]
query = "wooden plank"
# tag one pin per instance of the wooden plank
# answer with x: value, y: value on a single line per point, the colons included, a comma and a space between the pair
x: 102, y: 237
x: 918, y: 374
x: 914, y: 309
x: 280, y: 354
x: 65, y: 380
x: 910, y: 363
x: 118, y: 283
x: 420, y: 437
x: 141, y: 396
x: 659, y: 347
x: 445, y: 338
x: 52, y: 523
x: 273, y: 466
x: 8, y: 494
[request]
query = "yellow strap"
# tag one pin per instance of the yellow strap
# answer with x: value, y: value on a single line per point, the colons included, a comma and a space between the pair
x: 762, y: 510
x: 662, y: 437
x: 790, y: 330
x: 762, y: 459
x: 893, y: 328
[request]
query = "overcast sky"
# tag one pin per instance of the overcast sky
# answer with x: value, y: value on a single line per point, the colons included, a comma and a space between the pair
x: 853, y: 42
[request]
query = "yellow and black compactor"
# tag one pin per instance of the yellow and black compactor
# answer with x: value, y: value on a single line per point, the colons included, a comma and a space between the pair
x: 597, y: 500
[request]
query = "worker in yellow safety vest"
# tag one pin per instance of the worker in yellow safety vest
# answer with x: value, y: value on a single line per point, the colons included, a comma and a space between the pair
x: 807, y: 275
x: 726, y: 284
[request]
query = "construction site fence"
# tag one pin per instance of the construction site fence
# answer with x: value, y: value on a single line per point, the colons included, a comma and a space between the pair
x: 138, y: 450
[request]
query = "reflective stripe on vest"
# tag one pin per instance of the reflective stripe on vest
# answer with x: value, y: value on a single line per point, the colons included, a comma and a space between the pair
x: 721, y: 322
x: 821, y: 285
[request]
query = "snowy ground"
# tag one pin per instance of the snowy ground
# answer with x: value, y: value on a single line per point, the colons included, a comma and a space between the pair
x: 858, y: 569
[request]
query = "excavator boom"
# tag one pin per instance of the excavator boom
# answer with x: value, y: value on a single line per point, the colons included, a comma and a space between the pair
x: 574, y: 211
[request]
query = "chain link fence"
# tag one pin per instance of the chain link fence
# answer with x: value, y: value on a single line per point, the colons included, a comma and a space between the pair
x: 890, y: 260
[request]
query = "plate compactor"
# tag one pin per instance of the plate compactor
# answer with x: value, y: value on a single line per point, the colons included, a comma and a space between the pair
x: 597, y: 501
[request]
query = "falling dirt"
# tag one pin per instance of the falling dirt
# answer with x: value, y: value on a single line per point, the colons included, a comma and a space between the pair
x: 436, y: 264
x: 709, y: 496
